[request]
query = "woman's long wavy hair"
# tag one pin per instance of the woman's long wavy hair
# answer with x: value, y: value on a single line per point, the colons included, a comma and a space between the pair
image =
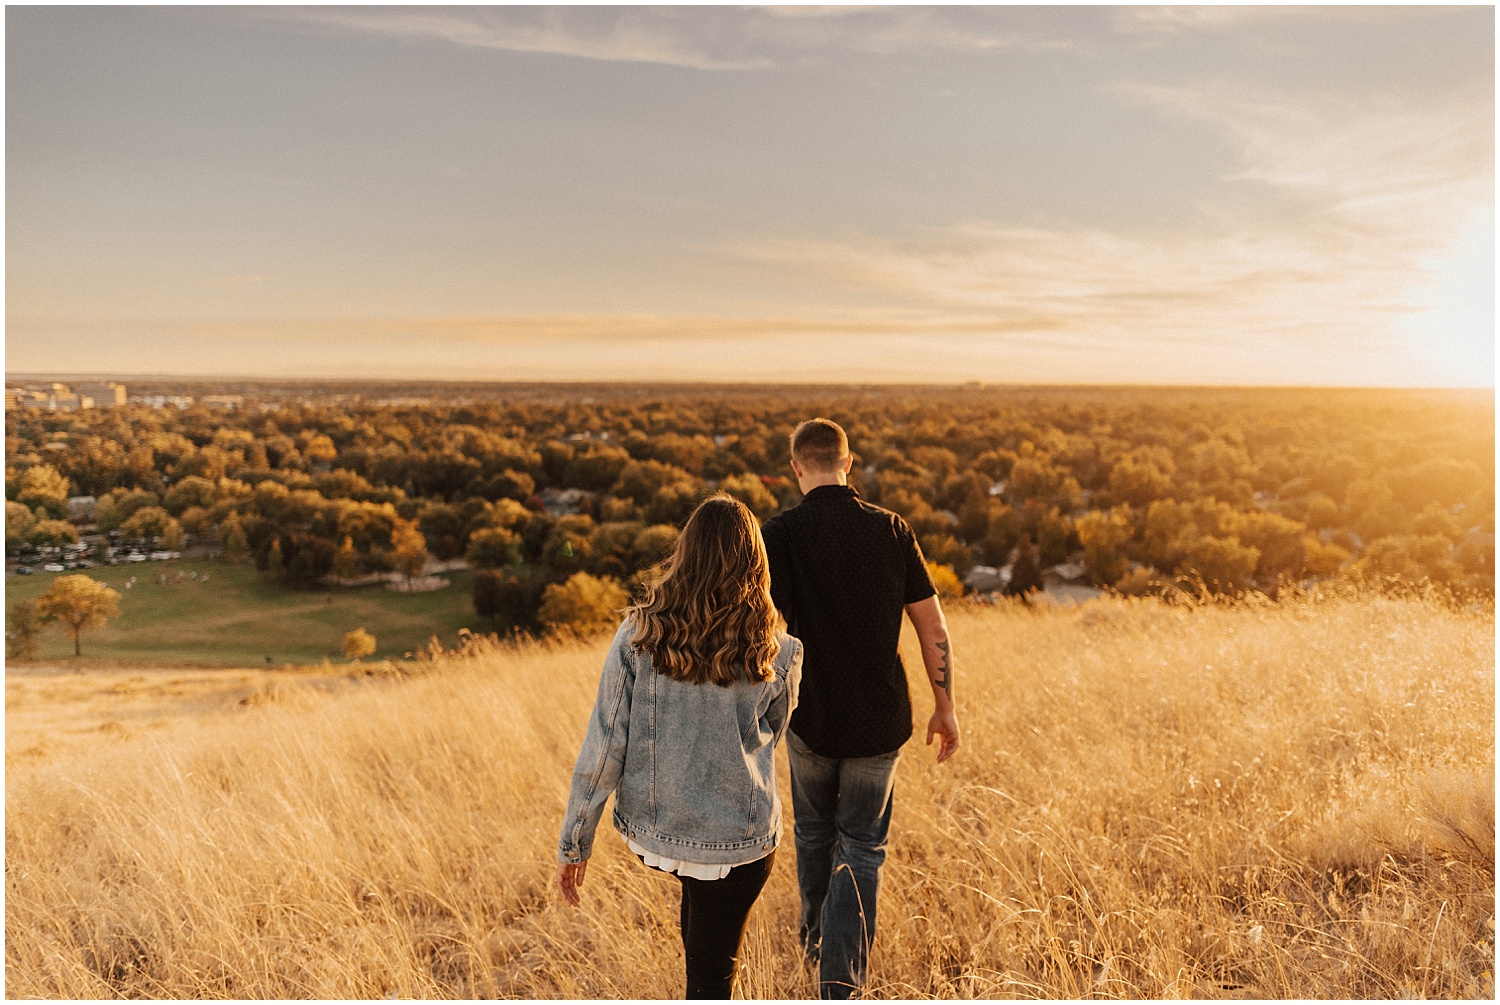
x: 707, y: 613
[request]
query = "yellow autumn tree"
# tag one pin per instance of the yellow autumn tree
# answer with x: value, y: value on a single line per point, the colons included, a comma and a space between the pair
x: 78, y: 602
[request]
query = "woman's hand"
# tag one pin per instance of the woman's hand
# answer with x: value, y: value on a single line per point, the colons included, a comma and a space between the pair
x: 569, y: 879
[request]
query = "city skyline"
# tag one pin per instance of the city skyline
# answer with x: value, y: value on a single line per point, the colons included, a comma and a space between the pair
x: 1259, y: 196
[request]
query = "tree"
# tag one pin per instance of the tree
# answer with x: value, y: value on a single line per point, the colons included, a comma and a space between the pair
x: 191, y: 491
x: 306, y: 559
x: 19, y: 521
x: 1141, y: 476
x: 358, y: 644
x: 408, y: 549
x: 582, y: 604
x: 493, y: 547
x: 485, y: 593
x: 320, y: 450
x: 654, y: 543
x: 1002, y: 534
x: 43, y: 487
x: 945, y: 549
x: 1025, y: 571
x: 567, y: 547
x: 1323, y: 559
x: 1224, y: 564
x: 1104, y: 536
x: 507, y: 600
x: 149, y: 522
x: 120, y: 505
x: 21, y: 631
x: 751, y: 491
x: 53, y: 533
x: 346, y: 561
x: 233, y: 537
x: 78, y: 602
x: 172, y: 539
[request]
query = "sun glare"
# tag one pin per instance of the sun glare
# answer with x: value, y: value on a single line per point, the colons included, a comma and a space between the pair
x: 1455, y: 332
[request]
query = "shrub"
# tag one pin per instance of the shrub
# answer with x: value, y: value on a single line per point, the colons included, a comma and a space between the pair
x: 358, y: 644
x: 946, y: 580
x: 582, y: 604
x: 493, y: 547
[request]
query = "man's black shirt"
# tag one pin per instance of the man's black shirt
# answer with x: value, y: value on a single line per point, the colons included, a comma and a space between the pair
x: 842, y: 573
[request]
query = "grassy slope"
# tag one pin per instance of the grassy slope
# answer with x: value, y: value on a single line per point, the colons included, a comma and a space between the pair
x: 238, y: 617
x: 1261, y: 801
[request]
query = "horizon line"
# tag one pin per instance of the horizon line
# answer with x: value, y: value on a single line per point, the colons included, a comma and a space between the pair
x: 61, y: 376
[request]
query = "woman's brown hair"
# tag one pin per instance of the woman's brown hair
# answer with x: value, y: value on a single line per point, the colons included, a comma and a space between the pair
x: 707, y: 613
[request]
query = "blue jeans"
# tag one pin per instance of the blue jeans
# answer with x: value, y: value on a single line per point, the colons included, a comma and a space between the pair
x: 842, y: 807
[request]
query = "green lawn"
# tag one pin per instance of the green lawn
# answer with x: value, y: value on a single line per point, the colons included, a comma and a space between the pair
x: 239, y: 618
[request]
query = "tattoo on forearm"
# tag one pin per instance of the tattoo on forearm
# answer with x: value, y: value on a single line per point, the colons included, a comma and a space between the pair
x: 945, y: 674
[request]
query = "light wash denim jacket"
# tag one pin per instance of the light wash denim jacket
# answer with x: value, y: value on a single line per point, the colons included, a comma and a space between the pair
x: 692, y: 765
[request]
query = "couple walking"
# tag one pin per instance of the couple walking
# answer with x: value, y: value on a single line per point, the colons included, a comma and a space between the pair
x: 699, y: 687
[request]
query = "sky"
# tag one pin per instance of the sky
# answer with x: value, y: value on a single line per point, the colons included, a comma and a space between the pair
x: 1015, y: 195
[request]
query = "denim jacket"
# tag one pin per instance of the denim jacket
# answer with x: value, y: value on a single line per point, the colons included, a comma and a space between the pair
x: 691, y: 765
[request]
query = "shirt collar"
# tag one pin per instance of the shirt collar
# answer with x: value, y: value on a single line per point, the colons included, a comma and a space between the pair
x: 832, y: 492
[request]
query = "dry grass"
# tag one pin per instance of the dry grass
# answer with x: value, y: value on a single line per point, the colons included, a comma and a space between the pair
x: 1249, y: 801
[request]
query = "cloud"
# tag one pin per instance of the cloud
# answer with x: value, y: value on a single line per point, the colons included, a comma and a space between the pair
x: 613, y: 328
x: 1404, y: 166
x: 624, y: 35
x: 1225, y: 17
x: 695, y: 37
x: 1319, y: 238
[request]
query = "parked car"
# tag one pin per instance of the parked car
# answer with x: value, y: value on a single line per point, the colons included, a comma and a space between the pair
x: 54, y: 567
x: 135, y: 556
x: 25, y: 570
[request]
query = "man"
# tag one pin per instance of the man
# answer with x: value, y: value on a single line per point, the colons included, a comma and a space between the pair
x: 842, y: 573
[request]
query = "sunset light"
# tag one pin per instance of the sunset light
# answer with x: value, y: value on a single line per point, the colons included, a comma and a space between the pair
x: 1246, y: 195
x: 610, y: 502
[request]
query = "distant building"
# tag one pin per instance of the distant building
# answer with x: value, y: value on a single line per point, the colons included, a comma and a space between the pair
x: 81, y: 509
x: 106, y: 394
x: 163, y: 400
x: 48, y: 398
x: 1066, y: 574
x: 222, y: 400
x: 987, y: 578
x: 57, y: 397
x: 563, y: 502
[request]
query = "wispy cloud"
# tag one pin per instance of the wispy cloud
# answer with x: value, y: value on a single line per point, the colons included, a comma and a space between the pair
x: 1400, y: 165
x: 701, y: 38
x: 612, y: 328
x: 1226, y: 17
x: 623, y: 35
x: 1350, y: 199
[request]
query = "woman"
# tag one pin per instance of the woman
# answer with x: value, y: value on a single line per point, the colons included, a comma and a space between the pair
x: 696, y: 693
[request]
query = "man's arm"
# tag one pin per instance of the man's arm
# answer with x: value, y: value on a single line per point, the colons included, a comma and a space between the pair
x: 937, y: 653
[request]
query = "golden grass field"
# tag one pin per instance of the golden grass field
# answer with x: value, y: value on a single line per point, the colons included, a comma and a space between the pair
x: 1249, y: 800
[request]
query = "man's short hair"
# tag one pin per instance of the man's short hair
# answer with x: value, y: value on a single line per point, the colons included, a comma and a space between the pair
x: 820, y: 444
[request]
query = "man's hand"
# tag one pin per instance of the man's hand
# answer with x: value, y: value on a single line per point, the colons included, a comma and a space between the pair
x: 945, y: 724
x: 569, y: 879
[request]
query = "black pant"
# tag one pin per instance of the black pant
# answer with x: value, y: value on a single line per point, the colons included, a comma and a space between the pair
x: 713, y: 923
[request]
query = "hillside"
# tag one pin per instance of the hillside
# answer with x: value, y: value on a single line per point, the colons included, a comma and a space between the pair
x: 1250, y: 800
